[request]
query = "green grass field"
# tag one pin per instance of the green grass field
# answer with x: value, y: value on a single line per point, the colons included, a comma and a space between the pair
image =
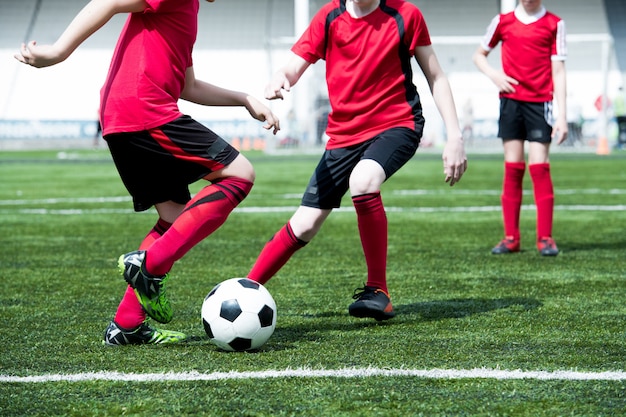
x: 475, y: 334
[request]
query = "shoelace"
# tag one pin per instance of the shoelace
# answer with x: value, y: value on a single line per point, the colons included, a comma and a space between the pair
x: 364, y: 293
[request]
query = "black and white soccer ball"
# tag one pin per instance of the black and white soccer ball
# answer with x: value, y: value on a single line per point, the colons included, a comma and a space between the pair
x: 239, y: 314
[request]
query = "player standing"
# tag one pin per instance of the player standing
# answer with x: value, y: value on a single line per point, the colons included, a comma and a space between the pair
x: 533, y: 73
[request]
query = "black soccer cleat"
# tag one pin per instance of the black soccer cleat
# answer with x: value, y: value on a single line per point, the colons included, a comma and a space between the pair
x: 114, y: 335
x: 371, y: 302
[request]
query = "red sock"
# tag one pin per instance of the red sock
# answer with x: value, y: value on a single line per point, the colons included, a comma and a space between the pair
x: 372, y: 221
x: 129, y: 313
x: 544, y: 198
x: 204, y: 214
x: 512, y: 197
x: 275, y: 254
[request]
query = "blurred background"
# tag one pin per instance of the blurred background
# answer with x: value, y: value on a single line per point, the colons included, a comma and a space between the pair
x: 242, y: 42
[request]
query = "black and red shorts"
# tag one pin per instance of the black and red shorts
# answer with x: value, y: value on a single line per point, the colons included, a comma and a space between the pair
x: 157, y: 165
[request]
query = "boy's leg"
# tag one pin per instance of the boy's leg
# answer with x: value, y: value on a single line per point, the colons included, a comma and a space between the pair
x: 130, y: 313
x: 544, y: 201
x: 129, y: 327
x: 204, y: 214
x: 544, y: 198
x: 276, y: 252
x: 156, y: 167
x: 373, y: 299
x: 147, y: 271
x: 372, y: 223
x: 511, y: 198
x: 385, y: 155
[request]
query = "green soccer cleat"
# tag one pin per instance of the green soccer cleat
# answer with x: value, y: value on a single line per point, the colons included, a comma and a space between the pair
x: 150, y: 290
x: 371, y: 302
x: 114, y: 335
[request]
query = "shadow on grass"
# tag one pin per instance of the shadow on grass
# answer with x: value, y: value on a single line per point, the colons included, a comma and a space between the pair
x: 464, y: 307
x: 313, y: 325
x: 591, y: 246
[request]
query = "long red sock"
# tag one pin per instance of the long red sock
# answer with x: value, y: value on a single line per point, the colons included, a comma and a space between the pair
x: 275, y: 254
x: 129, y: 313
x: 512, y: 197
x: 372, y: 222
x: 544, y: 198
x: 204, y: 214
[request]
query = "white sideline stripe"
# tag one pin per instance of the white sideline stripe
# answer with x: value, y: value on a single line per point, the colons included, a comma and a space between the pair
x: 613, y: 191
x: 323, y: 373
x: 290, y: 209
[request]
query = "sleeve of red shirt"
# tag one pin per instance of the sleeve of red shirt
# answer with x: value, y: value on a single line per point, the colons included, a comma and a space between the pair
x: 417, y: 30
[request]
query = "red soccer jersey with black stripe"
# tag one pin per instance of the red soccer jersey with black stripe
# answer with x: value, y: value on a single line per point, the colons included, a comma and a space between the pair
x: 368, y: 68
x: 527, y: 52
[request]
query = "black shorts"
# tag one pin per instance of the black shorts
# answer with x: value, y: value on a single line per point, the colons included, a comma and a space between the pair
x: 525, y: 120
x: 391, y: 149
x: 157, y: 165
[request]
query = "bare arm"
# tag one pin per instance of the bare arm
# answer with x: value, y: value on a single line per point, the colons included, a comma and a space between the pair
x: 201, y: 92
x: 560, y: 130
x: 454, y: 157
x: 286, y: 77
x: 504, y: 83
x: 91, y: 18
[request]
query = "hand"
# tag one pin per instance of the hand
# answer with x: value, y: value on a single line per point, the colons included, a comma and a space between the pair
x: 38, y: 56
x: 274, y: 88
x: 454, y: 161
x: 560, y: 131
x: 504, y: 83
x: 262, y: 113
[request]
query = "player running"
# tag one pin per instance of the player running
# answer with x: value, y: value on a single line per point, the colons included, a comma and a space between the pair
x: 375, y: 127
x: 157, y: 150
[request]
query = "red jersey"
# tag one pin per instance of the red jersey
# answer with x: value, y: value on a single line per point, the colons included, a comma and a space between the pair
x: 527, y: 52
x: 368, y: 68
x: 147, y: 72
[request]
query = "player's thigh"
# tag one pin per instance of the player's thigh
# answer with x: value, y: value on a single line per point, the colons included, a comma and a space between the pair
x: 240, y: 167
x: 538, y: 153
x: 513, y: 150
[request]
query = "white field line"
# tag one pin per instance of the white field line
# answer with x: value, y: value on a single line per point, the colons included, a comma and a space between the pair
x: 87, y: 200
x: 13, y: 206
x: 497, y: 374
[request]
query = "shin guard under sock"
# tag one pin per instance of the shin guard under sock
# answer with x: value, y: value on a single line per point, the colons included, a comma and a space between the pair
x: 372, y: 222
x: 130, y: 313
x: 512, y: 197
x: 202, y: 215
x: 544, y: 198
x: 275, y: 254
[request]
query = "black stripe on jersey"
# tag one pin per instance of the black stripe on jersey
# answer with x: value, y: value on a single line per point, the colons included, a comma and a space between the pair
x: 335, y: 13
x: 412, y: 96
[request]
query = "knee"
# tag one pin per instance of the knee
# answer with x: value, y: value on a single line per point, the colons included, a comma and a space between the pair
x: 366, y: 178
x: 246, y: 171
x: 306, y: 222
x: 304, y: 230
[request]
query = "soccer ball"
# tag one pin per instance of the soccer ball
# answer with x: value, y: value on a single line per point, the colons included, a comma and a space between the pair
x: 239, y: 314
